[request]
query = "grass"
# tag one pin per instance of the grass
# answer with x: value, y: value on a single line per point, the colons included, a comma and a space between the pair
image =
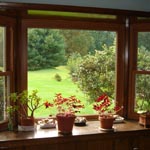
x: 44, y: 81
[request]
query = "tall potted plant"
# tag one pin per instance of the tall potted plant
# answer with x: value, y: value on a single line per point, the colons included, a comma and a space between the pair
x: 107, y: 109
x: 25, y: 104
x: 67, y: 108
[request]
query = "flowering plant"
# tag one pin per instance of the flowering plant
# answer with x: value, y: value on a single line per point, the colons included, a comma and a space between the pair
x: 105, y: 106
x: 66, y: 106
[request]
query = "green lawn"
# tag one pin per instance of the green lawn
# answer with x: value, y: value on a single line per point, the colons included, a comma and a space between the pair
x: 44, y: 81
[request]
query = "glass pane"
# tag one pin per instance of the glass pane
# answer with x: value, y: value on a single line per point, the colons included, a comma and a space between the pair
x: 143, y: 62
x: 2, y: 49
x: 3, y: 95
x: 71, y: 62
x: 142, y: 99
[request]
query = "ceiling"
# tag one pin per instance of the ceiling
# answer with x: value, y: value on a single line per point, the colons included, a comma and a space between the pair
x: 137, y: 5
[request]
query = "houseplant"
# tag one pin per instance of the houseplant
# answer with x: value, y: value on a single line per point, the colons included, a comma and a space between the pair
x: 106, y: 109
x: 143, y: 109
x: 67, y: 107
x: 25, y: 104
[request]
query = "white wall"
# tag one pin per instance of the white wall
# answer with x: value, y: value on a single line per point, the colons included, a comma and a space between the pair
x: 139, y: 5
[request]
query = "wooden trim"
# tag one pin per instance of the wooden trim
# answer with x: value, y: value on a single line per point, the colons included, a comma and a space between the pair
x: 135, y: 28
x: 141, y: 72
x: 5, y: 73
x: 25, y: 6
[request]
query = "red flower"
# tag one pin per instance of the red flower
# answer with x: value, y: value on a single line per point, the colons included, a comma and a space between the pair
x: 47, y: 104
x: 104, y: 104
x: 66, y: 105
x: 102, y: 97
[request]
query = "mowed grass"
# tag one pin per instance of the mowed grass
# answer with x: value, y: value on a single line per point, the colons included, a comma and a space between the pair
x: 46, y: 84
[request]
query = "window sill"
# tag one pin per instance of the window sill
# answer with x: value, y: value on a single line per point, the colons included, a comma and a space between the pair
x: 92, y: 128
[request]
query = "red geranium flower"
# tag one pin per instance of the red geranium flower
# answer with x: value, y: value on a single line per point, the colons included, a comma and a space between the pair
x: 105, y: 105
x: 67, y: 105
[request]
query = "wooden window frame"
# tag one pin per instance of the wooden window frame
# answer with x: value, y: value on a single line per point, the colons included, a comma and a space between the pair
x: 133, y: 71
x: 73, y: 24
x: 18, y: 21
x: 9, y: 24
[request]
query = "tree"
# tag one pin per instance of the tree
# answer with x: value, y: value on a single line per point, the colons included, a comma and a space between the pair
x: 143, y: 80
x: 77, y: 41
x: 45, y: 49
x: 102, y: 38
x: 143, y: 40
x: 96, y: 73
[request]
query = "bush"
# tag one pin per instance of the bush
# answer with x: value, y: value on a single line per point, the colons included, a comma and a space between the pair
x: 96, y: 73
x: 58, y: 77
x: 72, y: 64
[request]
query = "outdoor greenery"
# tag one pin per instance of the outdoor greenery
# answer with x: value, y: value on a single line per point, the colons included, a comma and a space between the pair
x: 44, y: 81
x: 51, y: 48
x: 95, y: 74
x: 81, y: 62
x: 45, y: 49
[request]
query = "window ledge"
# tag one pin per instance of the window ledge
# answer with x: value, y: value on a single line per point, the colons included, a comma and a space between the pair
x: 92, y: 128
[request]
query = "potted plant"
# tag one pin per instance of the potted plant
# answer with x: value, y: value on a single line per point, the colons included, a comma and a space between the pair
x: 25, y: 104
x: 143, y: 109
x: 66, y: 107
x: 106, y: 109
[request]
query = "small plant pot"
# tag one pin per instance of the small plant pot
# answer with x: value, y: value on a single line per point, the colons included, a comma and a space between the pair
x: 28, y: 121
x: 65, y: 123
x: 144, y: 119
x: 106, y: 122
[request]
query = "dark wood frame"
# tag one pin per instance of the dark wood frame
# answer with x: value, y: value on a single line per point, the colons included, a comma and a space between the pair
x: 74, y: 25
x: 9, y: 24
x: 133, y: 71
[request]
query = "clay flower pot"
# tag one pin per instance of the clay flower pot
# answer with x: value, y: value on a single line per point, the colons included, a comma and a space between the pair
x: 65, y: 123
x: 28, y: 121
x: 106, y: 122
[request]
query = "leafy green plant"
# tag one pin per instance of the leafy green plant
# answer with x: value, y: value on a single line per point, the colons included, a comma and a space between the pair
x: 96, y: 73
x: 58, y: 77
x: 142, y: 94
x: 72, y: 64
x: 23, y: 101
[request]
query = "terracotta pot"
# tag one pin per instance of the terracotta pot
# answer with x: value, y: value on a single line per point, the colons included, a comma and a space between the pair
x: 106, y: 122
x: 28, y: 121
x: 65, y: 123
x: 144, y: 119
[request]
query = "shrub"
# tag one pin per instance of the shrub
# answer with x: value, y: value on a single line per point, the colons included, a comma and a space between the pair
x: 96, y: 73
x: 58, y: 77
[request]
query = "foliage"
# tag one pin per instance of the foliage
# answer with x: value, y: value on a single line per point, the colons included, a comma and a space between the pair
x: 143, y: 62
x: 143, y: 81
x: 65, y: 105
x: 106, y: 106
x: 142, y: 94
x: 77, y: 41
x: 45, y: 49
x: 96, y: 73
x: 58, y: 77
x: 102, y: 38
x: 26, y: 101
x: 72, y: 64
x: 143, y: 40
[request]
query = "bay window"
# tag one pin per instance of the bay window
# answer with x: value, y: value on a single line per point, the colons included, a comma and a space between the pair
x: 139, y: 94
x: 6, y: 66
